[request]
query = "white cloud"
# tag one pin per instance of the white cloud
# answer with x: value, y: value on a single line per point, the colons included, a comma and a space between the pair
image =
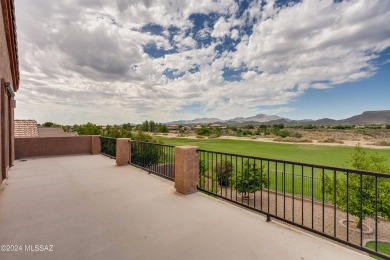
x: 317, y: 41
x: 235, y: 34
x: 221, y: 28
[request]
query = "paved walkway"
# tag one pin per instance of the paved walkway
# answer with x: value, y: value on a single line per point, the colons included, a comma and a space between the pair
x: 88, y: 208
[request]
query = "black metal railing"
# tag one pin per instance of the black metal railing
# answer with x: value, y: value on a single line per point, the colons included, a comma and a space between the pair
x: 324, y: 200
x: 155, y: 158
x: 108, y: 146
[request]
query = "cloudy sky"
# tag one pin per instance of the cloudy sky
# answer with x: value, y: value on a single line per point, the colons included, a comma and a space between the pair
x: 129, y: 60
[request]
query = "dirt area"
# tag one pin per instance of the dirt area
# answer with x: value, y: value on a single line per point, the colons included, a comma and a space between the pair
x: 357, y: 135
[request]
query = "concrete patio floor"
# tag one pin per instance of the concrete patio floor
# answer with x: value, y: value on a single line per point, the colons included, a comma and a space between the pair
x: 88, y: 208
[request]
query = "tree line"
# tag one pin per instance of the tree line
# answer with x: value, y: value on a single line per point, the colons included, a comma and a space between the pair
x: 127, y: 130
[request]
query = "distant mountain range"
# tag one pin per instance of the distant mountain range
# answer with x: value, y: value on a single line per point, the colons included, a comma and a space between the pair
x: 366, y: 118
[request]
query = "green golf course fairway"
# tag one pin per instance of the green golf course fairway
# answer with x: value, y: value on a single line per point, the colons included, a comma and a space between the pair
x: 336, y: 156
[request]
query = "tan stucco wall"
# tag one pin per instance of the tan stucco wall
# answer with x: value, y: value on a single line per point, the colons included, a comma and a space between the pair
x: 47, y: 146
x: 5, y: 66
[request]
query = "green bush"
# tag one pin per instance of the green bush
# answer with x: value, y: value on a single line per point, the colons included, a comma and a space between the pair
x: 145, y: 137
x: 204, y: 179
x: 143, y: 154
x: 246, y: 132
x: 251, y: 179
x: 217, y: 132
x: 88, y: 129
x: 202, y: 174
x: 108, y: 146
x: 203, y: 131
x: 48, y: 124
x: 361, y: 189
x: 342, y: 127
x: 295, y: 135
x: 283, y: 133
x: 224, y: 170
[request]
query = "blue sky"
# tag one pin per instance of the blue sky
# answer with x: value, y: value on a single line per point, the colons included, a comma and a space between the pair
x: 348, y: 99
x: 128, y: 61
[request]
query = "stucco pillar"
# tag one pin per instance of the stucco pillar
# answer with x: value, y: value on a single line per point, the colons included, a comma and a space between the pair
x: 186, y: 169
x: 95, y: 144
x: 122, y: 151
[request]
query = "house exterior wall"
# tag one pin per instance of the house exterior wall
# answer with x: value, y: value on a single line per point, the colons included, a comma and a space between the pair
x: 9, y: 73
x: 9, y: 46
x: 5, y: 64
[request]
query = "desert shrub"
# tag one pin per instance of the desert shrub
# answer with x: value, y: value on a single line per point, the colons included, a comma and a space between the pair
x: 247, y: 132
x: 239, y: 132
x: 295, y: 135
x: 342, y: 127
x: 279, y: 126
x: 331, y: 140
x: 283, y: 133
x: 382, y: 143
x: 267, y: 132
x: 293, y: 140
x: 373, y: 126
x: 309, y: 126
x: 200, y: 137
